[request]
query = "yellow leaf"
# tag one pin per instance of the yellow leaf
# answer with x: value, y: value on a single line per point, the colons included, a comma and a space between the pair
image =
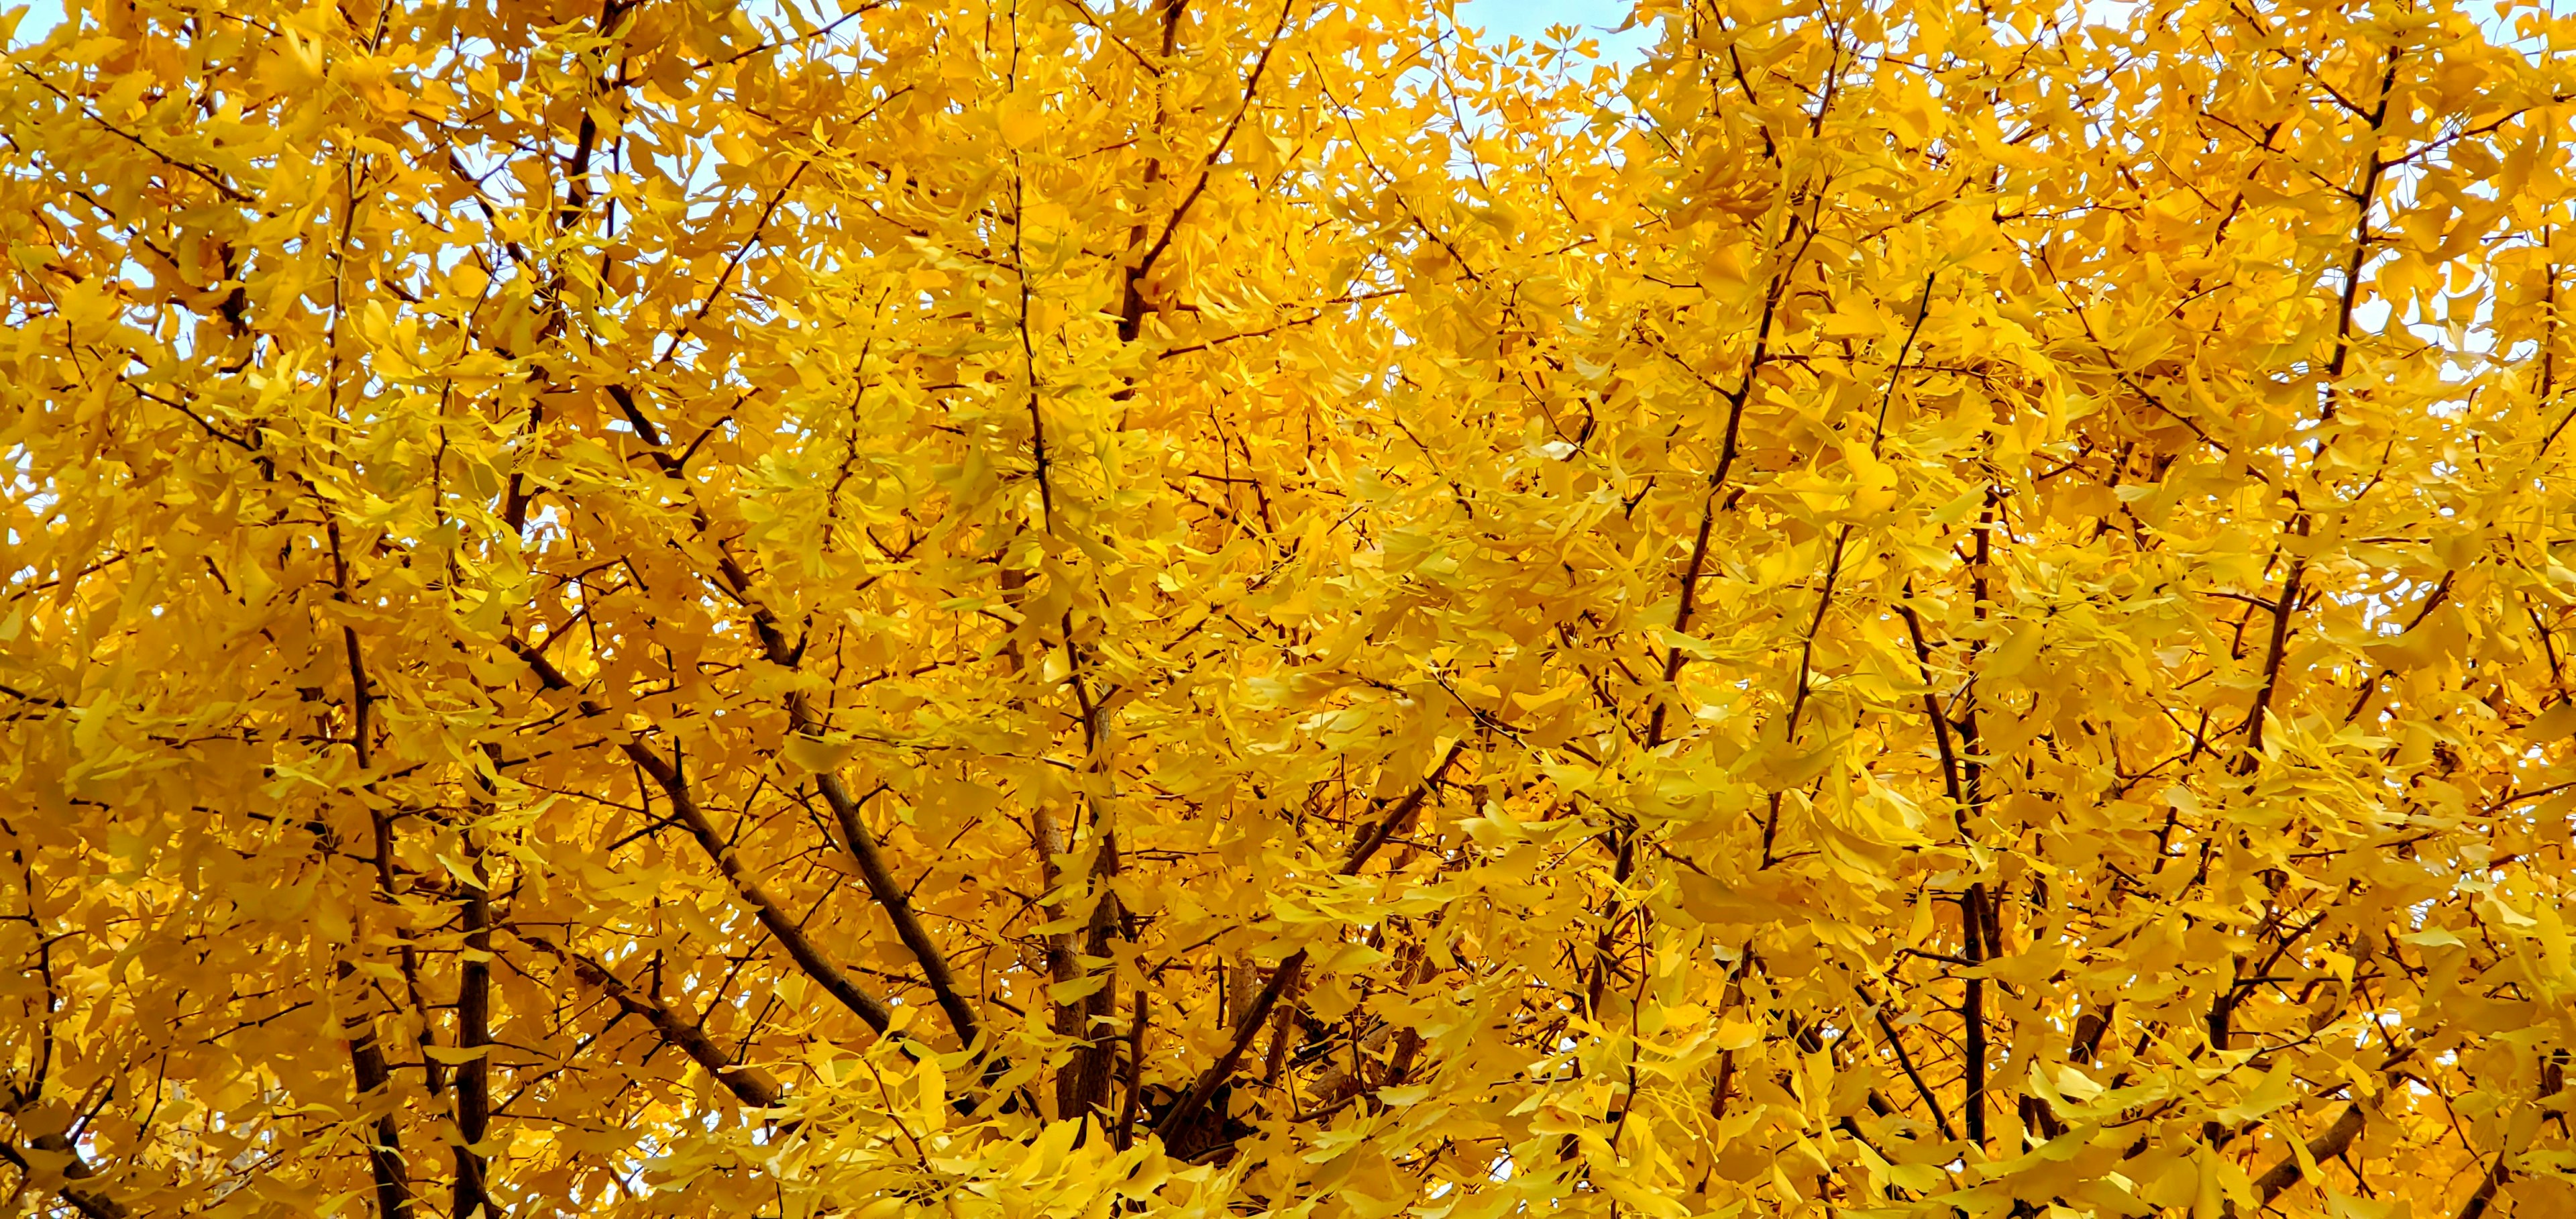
x: 817, y: 754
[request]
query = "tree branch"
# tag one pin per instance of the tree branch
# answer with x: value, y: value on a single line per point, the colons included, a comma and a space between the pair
x: 1254, y: 1016
x: 2326, y: 1146
x: 789, y: 931
x: 89, y: 1202
x: 749, y: 1084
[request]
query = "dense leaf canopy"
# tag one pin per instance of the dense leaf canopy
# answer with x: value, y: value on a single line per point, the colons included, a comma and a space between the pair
x: 1005, y: 608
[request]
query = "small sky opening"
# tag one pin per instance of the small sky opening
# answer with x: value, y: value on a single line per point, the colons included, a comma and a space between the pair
x: 1530, y: 19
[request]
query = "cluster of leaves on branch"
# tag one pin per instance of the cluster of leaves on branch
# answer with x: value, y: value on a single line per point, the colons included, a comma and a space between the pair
x: 1077, y: 607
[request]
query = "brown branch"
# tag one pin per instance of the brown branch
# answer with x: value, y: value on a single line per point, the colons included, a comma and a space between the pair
x: 2490, y: 1181
x: 1135, y: 1070
x: 1624, y: 835
x: 384, y: 1155
x: 474, y: 1032
x: 716, y: 294
x: 1922, y: 1089
x: 1932, y: 704
x: 375, y: 1081
x: 1207, y: 167
x: 2272, y: 654
x: 897, y: 904
x: 89, y: 1202
x: 1815, y: 626
x: 1131, y: 305
x: 2332, y: 1143
x: 366, y: 1056
x: 1095, y: 1061
x: 882, y: 885
x: 1972, y: 1011
x: 1317, y: 316
x: 211, y: 178
x: 751, y: 1085
x: 2372, y: 173
x: 1181, y: 1113
x: 789, y: 931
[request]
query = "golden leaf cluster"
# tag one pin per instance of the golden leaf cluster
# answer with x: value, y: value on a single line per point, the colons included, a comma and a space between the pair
x: 999, y: 608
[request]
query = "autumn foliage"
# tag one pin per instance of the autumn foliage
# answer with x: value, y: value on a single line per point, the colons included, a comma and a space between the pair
x: 972, y: 608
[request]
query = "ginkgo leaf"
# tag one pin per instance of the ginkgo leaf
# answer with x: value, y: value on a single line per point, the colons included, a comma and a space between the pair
x: 818, y: 754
